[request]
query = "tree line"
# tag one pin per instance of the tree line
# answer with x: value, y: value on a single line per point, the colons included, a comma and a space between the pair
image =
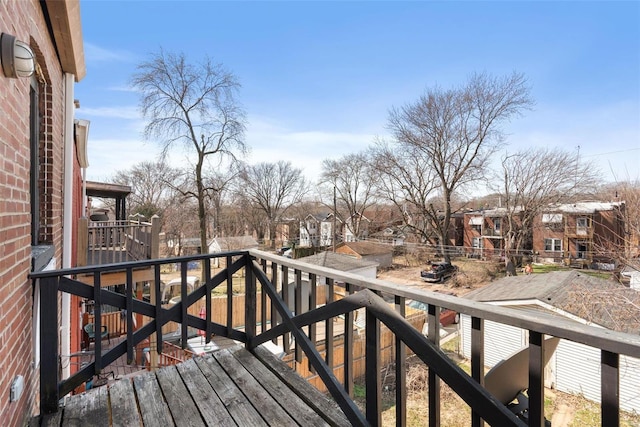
x: 441, y: 146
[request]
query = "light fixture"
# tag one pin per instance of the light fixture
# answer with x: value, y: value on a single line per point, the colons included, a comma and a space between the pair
x: 18, y: 59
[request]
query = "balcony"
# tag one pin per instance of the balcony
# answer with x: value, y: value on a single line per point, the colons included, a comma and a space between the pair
x: 284, y: 308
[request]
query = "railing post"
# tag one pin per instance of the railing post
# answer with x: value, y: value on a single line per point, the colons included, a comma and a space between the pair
x: 348, y: 345
x: 298, y: 309
x: 432, y: 379
x: 536, y: 379
x: 477, y: 361
x: 372, y: 369
x: 610, y: 388
x: 328, y: 336
x: 401, y: 370
x: 250, y: 300
x: 49, y: 396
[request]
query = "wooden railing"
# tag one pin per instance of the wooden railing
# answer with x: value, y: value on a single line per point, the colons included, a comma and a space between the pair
x: 383, y: 303
x: 106, y: 242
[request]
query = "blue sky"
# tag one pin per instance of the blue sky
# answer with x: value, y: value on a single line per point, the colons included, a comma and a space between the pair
x: 319, y: 78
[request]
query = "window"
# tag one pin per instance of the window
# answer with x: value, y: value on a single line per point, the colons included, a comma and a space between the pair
x: 552, y: 245
x: 497, y: 223
x: 582, y: 222
x: 476, y: 243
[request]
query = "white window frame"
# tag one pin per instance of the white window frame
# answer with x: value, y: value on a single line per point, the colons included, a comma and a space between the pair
x: 552, y: 243
x: 476, y: 242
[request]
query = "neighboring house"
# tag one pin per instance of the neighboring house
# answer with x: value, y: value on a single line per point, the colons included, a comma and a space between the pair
x: 484, y: 232
x: 368, y: 251
x: 582, y: 234
x: 317, y: 230
x: 287, y: 231
x: 574, y: 368
x: 348, y: 264
x: 226, y: 244
x: 43, y: 150
x: 393, y: 236
x: 237, y: 243
x: 355, y: 228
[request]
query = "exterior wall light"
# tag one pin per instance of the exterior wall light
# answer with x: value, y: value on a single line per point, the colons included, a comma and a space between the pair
x: 17, y: 57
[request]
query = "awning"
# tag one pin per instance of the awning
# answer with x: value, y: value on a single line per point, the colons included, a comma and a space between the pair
x: 475, y: 220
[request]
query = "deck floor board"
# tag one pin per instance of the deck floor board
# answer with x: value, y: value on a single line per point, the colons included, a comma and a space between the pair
x: 225, y: 388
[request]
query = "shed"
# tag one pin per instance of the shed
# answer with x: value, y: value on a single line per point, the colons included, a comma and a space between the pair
x: 344, y: 263
x: 368, y: 251
x: 574, y: 368
x: 226, y: 244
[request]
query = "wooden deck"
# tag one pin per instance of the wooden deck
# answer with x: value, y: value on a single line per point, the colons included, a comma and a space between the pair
x: 229, y: 387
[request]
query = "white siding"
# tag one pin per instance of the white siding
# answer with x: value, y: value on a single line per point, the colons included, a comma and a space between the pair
x: 500, y: 341
x: 578, y: 372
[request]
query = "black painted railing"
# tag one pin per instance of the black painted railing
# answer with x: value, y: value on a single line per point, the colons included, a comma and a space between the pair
x: 290, y: 312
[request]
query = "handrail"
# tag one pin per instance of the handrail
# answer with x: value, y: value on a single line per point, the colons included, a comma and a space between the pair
x: 270, y: 270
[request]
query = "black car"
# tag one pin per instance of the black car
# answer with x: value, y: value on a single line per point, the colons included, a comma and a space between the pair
x: 439, y: 272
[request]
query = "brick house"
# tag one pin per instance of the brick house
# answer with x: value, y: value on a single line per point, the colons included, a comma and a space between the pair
x: 42, y: 151
x: 484, y: 232
x: 585, y: 234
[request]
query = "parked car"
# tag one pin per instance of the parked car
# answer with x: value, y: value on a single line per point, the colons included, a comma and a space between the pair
x: 447, y: 317
x: 439, y: 272
x: 170, y: 292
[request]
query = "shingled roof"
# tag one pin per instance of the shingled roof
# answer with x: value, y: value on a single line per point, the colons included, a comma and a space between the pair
x: 595, y: 300
x: 367, y: 248
x: 337, y: 261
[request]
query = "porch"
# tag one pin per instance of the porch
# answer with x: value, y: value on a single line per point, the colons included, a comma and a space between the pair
x: 282, y: 307
x: 227, y: 387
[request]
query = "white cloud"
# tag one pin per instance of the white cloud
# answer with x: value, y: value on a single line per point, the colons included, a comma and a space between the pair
x: 127, y: 112
x: 96, y: 53
x: 271, y: 142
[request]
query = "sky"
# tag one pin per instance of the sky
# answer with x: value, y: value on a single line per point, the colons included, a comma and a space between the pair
x: 319, y: 78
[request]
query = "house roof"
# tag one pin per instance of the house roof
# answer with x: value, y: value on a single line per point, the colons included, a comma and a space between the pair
x: 366, y: 248
x: 585, y: 207
x: 235, y: 243
x: 595, y: 300
x: 337, y: 261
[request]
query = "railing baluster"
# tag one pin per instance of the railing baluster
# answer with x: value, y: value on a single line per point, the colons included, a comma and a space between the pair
x: 348, y: 345
x: 298, y: 309
x: 129, y: 311
x: 97, y: 323
x: 401, y: 370
x: 48, y: 344
x: 432, y: 379
x: 610, y: 388
x: 312, y: 305
x: 207, y: 298
x: 372, y: 369
x: 286, y: 338
x: 536, y: 379
x: 183, y: 304
x: 250, y: 300
x: 274, y: 281
x: 328, y: 336
x: 157, y: 300
x: 477, y: 361
x: 263, y: 301
x: 230, y: 324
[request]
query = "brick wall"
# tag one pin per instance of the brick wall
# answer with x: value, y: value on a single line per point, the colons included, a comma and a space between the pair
x: 24, y: 19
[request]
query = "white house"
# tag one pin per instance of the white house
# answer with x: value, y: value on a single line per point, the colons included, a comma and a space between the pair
x: 226, y: 244
x: 317, y: 230
x: 574, y: 368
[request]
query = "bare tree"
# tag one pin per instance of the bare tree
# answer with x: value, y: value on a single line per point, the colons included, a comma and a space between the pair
x: 273, y: 188
x: 351, y: 181
x: 458, y: 130
x: 193, y: 105
x: 151, y: 187
x: 409, y: 183
x: 533, y: 179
